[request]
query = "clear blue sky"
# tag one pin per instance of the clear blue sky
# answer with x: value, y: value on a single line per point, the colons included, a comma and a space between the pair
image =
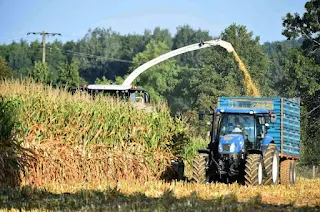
x: 73, y: 18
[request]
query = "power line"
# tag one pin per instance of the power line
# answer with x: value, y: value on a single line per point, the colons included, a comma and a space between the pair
x: 12, y: 38
x: 44, y: 34
x: 110, y: 58
x: 91, y: 55
x: 73, y: 36
x: 311, y: 111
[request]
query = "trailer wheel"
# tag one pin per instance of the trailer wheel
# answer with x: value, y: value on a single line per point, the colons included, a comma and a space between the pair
x: 199, y: 168
x: 288, y: 172
x: 254, y: 170
x: 271, y: 164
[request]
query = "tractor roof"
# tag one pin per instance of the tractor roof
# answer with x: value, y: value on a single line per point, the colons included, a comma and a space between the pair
x: 113, y: 87
x: 108, y: 87
x: 243, y: 110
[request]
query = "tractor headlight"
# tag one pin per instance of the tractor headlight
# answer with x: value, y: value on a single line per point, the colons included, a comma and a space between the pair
x: 233, y: 147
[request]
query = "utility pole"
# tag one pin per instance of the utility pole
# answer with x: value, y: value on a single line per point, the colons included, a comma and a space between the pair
x: 43, y: 47
x: 44, y: 34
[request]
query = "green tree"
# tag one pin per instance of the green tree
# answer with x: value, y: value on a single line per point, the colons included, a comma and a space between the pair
x: 97, y: 50
x: 119, y: 80
x: 162, y: 35
x: 307, y: 26
x: 310, y: 122
x: 5, y: 71
x: 69, y: 73
x: 103, y: 81
x: 4, y: 51
x: 278, y: 53
x: 35, y: 53
x: 55, y: 56
x: 300, y: 76
x: 69, y: 49
x: 40, y: 72
x: 19, y: 60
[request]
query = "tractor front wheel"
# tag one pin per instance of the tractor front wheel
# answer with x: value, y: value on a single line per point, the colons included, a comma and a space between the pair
x: 254, y: 170
x: 199, y: 168
x: 271, y: 164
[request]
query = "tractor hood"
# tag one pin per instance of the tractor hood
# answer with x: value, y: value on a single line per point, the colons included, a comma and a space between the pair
x: 231, y: 144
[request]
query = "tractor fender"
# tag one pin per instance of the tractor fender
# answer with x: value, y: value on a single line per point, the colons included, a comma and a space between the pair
x: 265, y: 143
x: 203, y: 151
x: 254, y: 151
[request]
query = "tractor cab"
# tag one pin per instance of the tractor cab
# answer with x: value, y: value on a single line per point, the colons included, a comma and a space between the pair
x: 241, y: 129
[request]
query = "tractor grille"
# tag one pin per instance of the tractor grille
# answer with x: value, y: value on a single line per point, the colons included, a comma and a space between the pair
x: 226, y: 147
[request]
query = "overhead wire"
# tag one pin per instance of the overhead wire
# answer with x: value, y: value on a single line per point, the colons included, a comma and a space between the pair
x: 12, y: 38
x: 313, y: 109
x: 114, y: 59
x: 25, y: 35
x: 72, y: 36
x: 91, y: 55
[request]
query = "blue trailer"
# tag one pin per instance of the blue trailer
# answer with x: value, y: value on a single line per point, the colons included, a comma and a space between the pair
x: 253, y: 141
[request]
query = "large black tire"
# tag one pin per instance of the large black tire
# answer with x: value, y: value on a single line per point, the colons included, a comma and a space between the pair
x: 287, y: 172
x: 199, y: 168
x: 254, y: 170
x: 272, y: 165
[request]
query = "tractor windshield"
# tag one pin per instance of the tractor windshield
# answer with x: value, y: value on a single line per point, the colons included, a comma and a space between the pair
x: 237, y: 124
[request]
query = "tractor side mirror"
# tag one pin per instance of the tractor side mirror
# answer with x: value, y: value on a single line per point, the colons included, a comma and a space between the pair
x: 273, y: 118
x: 201, y: 115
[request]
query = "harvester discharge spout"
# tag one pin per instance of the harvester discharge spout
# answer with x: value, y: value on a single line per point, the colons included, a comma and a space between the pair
x: 204, y: 44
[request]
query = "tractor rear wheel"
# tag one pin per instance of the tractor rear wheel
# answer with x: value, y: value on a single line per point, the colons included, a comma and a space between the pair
x: 271, y: 164
x: 287, y: 172
x: 254, y: 170
x: 199, y: 168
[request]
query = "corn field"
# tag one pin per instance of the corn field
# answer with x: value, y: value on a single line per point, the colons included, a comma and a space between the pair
x: 73, y: 138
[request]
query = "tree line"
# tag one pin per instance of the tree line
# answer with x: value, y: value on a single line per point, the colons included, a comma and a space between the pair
x: 192, y: 81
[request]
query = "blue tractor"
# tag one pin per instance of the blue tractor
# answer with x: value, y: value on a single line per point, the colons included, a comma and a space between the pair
x: 254, y: 141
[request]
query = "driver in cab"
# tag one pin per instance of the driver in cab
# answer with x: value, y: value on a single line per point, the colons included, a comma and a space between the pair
x: 239, y: 127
